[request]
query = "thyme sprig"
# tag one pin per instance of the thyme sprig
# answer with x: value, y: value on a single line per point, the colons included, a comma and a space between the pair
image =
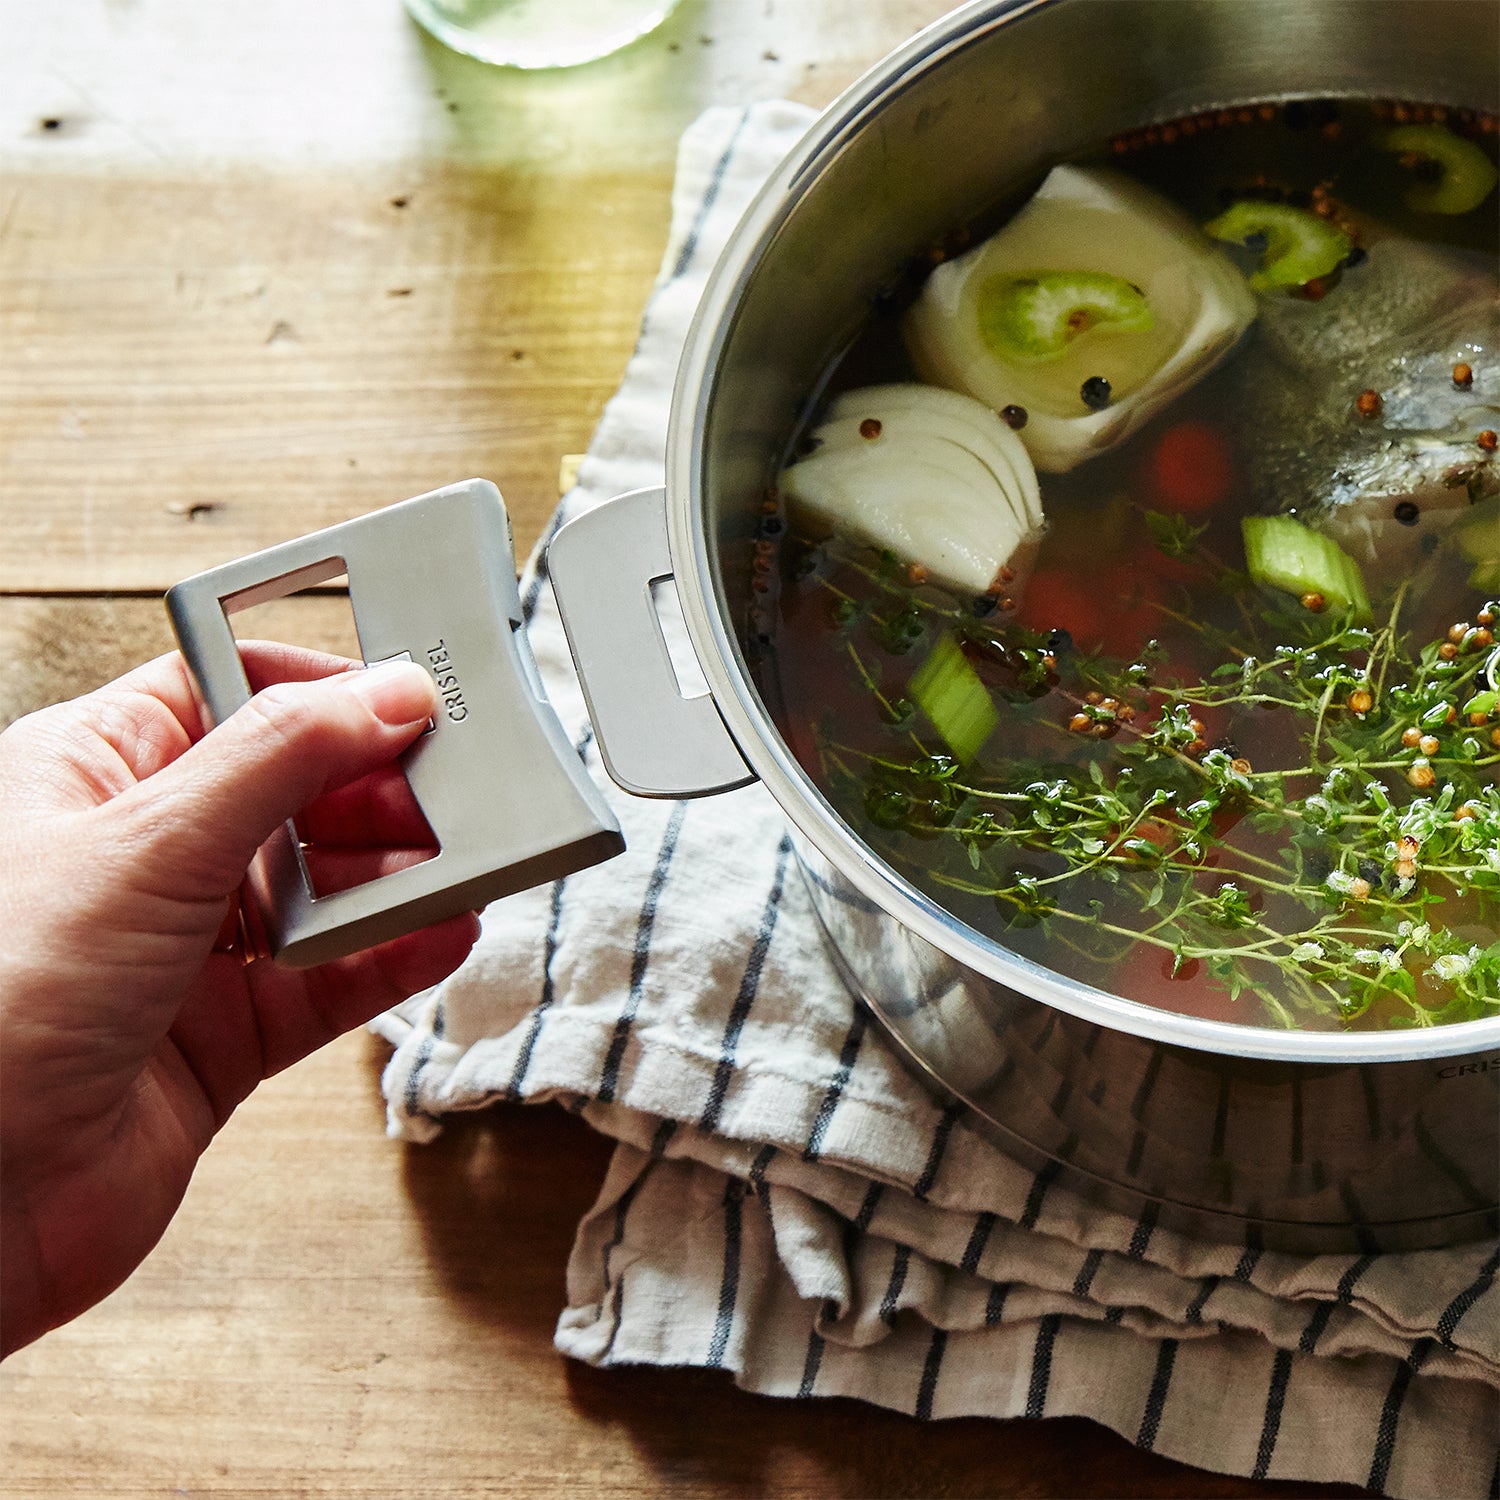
x: 1364, y: 875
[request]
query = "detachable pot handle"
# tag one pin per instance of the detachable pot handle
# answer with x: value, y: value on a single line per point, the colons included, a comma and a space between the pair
x: 655, y: 741
x: 433, y: 580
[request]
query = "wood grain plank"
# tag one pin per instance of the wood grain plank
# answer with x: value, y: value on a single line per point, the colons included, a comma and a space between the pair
x: 193, y: 369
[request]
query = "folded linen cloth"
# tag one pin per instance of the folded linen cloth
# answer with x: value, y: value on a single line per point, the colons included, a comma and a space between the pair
x: 785, y: 1201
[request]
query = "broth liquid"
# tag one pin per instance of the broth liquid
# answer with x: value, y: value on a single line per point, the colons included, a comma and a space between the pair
x: 1101, y: 585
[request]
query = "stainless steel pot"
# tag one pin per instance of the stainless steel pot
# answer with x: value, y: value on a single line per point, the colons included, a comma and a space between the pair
x: 1299, y: 1140
x: 1305, y: 1141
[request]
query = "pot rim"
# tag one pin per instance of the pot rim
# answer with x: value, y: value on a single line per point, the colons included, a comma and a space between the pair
x: 717, y: 646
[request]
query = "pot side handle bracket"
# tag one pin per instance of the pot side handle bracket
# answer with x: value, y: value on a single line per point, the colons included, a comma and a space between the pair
x: 432, y: 579
x: 654, y: 740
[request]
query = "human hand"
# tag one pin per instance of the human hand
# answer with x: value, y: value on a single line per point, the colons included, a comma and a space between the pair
x: 126, y: 1036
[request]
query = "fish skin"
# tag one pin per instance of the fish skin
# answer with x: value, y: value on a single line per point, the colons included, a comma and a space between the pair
x: 1396, y: 324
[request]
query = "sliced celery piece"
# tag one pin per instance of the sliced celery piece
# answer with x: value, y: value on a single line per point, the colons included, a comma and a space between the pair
x: 1299, y: 245
x: 1287, y: 555
x: 1466, y: 175
x: 1485, y: 579
x: 949, y: 692
x: 1479, y: 540
x: 1036, y: 316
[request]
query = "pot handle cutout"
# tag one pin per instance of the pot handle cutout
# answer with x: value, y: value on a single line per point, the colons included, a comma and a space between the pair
x: 655, y: 740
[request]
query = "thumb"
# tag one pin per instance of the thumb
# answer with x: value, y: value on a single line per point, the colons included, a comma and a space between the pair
x: 204, y: 815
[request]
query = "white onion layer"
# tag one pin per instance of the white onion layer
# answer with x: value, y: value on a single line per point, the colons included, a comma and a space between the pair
x: 944, y: 483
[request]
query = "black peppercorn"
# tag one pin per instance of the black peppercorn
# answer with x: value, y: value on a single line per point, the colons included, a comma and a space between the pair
x: 1096, y: 392
x: 1407, y: 513
x: 1014, y: 416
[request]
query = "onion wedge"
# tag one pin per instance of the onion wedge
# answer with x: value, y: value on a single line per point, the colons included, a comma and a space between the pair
x: 933, y: 476
x: 1103, y: 228
x: 963, y: 420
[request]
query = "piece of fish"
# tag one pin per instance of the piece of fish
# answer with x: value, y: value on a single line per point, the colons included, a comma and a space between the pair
x: 1384, y: 486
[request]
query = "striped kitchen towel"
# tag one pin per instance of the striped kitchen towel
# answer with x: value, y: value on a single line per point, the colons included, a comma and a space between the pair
x: 786, y: 1202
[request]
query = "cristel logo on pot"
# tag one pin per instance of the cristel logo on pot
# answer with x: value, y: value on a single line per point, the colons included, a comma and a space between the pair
x: 1477, y: 1065
x: 447, y: 682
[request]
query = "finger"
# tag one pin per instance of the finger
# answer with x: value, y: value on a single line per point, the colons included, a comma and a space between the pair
x: 287, y: 1013
x: 378, y: 809
x: 227, y: 937
x: 146, y: 719
x: 201, y: 818
x: 266, y: 662
x: 92, y: 748
x: 167, y: 682
x: 298, y: 1012
x: 332, y: 870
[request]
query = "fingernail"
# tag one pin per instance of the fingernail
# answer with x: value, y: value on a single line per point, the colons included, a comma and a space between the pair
x: 396, y: 692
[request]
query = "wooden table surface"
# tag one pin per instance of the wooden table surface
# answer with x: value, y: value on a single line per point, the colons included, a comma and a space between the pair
x: 264, y: 267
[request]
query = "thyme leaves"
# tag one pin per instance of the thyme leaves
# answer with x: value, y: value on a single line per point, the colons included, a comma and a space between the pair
x: 1357, y: 877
